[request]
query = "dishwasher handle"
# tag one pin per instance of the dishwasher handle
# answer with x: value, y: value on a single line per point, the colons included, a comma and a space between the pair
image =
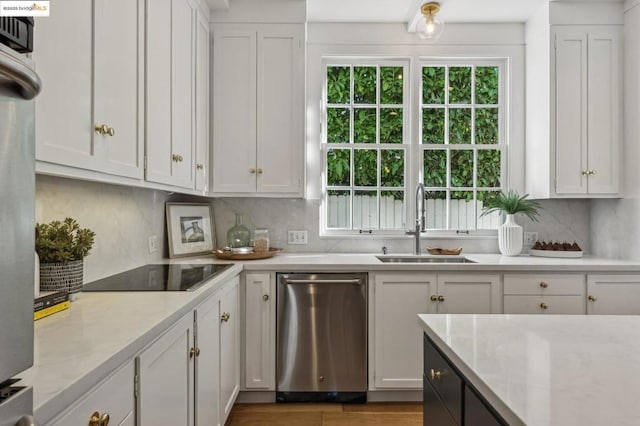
x: 356, y: 281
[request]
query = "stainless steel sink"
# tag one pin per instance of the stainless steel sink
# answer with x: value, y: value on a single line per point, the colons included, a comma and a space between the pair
x: 423, y: 259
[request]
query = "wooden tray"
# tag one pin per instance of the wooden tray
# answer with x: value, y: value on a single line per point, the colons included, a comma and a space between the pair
x: 220, y: 254
x: 443, y: 251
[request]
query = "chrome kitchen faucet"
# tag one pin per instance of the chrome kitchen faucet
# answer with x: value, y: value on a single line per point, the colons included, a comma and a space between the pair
x: 421, y: 217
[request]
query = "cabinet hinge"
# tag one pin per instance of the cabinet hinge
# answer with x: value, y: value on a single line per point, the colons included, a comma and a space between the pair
x: 136, y: 386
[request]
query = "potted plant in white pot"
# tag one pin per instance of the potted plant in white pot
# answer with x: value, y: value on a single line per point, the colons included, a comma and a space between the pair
x: 510, y: 234
x: 62, y: 247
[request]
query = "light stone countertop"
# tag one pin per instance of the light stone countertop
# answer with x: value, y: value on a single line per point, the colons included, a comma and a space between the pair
x: 547, y: 369
x: 76, y: 348
x: 319, y: 262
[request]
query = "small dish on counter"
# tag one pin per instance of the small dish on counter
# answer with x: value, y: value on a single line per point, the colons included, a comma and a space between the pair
x: 444, y: 251
x: 555, y: 253
x: 230, y: 255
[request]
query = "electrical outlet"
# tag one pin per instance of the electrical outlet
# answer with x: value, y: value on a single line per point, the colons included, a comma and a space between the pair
x: 153, y: 244
x: 530, y: 238
x: 298, y: 237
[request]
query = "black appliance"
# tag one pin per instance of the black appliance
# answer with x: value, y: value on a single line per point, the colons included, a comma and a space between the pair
x: 17, y: 33
x: 159, y: 277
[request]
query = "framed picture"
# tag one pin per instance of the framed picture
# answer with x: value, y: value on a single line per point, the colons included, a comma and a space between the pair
x: 189, y: 229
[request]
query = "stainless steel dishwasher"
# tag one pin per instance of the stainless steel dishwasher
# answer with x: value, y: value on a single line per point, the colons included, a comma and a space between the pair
x: 321, y: 348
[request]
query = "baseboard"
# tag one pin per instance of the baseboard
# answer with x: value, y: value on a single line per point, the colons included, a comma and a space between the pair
x: 253, y: 397
x: 394, y: 396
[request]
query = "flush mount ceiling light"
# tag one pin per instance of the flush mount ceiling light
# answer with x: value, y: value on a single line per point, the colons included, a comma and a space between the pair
x: 432, y: 26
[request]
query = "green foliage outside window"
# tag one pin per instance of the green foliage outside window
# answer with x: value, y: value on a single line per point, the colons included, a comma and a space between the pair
x: 467, y: 96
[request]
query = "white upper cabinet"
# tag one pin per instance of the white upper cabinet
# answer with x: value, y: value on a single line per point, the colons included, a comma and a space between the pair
x: 170, y: 92
x: 574, y: 101
x: 89, y: 113
x: 588, y: 76
x: 202, y: 103
x: 258, y: 109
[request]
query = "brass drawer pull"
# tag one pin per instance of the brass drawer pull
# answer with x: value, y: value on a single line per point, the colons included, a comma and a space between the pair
x: 435, y: 374
x: 225, y: 316
x: 99, y: 420
x: 199, y: 166
x: 265, y: 297
x: 592, y: 298
x: 440, y: 298
x: 433, y: 298
x: 544, y: 306
x: 544, y: 285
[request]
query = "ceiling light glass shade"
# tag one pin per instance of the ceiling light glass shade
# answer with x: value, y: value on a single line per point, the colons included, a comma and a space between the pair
x: 431, y: 27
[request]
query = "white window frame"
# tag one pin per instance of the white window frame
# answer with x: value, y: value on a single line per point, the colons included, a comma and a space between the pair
x: 502, y: 146
x: 405, y: 146
x: 413, y: 137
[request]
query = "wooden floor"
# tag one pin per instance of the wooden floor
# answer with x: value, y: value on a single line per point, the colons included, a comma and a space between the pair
x: 370, y: 414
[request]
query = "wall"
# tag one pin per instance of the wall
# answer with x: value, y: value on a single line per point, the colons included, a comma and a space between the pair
x: 615, y: 224
x: 561, y: 220
x: 122, y: 217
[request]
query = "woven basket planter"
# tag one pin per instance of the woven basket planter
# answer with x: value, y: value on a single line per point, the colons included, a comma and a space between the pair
x: 61, y: 276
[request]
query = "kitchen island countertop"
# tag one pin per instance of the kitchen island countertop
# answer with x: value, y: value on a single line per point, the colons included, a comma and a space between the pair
x: 547, y: 369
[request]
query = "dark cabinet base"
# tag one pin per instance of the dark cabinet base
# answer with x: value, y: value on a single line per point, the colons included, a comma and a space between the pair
x: 442, y: 404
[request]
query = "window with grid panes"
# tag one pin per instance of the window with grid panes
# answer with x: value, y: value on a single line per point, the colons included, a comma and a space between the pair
x: 462, y: 150
x: 365, y: 147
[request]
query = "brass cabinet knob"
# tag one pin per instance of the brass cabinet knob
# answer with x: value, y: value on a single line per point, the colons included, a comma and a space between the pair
x: 197, y: 351
x: 592, y: 172
x: 225, y: 316
x: 175, y: 158
x: 544, y: 285
x: 111, y: 131
x: 434, y: 298
x: 544, y: 306
x: 104, y: 420
x: 265, y: 297
x: 101, y: 129
x: 441, y: 298
x: 94, y: 420
x: 435, y: 374
x: 192, y: 352
x: 252, y: 170
x: 259, y: 171
x: 592, y: 298
x: 97, y: 419
x: 199, y: 166
x: 585, y: 173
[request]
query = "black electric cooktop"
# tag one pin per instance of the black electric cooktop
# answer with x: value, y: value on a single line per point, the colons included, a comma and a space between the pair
x: 156, y: 277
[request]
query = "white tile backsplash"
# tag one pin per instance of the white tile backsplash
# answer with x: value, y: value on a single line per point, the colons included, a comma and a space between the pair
x: 124, y: 218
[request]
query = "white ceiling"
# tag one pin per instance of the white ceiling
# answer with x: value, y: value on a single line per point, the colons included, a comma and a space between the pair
x: 405, y: 10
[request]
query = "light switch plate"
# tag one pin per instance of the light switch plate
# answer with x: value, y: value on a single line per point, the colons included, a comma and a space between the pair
x: 530, y: 238
x: 153, y: 244
x: 298, y: 237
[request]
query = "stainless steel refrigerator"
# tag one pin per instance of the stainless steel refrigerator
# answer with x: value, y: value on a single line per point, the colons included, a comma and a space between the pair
x: 19, y: 84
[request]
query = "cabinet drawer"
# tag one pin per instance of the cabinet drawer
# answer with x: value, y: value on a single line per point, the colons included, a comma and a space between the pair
x: 434, y: 411
x: 445, y: 381
x: 114, y: 396
x: 544, y: 304
x: 544, y: 284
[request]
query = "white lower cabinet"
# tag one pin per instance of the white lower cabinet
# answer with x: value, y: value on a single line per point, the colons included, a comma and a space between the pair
x: 259, y: 331
x: 613, y: 294
x: 165, y: 377
x: 112, y: 399
x: 395, y: 300
x: 192, y: 370
x: 229, y: 348
x: 544, y: 294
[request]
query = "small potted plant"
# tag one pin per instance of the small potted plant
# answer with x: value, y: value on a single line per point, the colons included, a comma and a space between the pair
x: 61, y: 247
x: 510, y: 234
